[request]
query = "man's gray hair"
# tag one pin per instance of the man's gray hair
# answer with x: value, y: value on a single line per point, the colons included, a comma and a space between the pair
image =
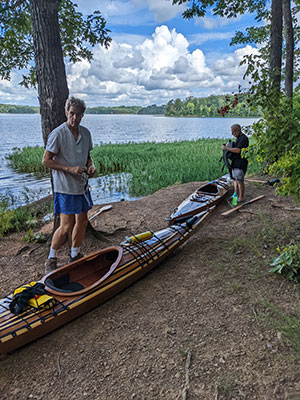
x: 79, y: 104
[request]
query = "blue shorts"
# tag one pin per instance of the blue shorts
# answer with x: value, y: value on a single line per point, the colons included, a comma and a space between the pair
x: 72, y: 203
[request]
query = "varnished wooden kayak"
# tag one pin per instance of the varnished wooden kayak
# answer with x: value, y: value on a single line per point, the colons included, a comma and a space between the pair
x: 76, y: 288
x: 204, y: 197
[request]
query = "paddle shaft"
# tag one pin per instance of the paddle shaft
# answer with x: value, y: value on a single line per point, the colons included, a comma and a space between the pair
x: 242, y: 205
x: 270, y: 182
x: 256, y: 181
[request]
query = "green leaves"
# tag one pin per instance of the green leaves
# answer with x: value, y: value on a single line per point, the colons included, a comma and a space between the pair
x: 276, y: 140
x: 78, y: 35
x: 15, y: 37
x: 223, y: 8
x: 288, y: 262
x: 77, y: 32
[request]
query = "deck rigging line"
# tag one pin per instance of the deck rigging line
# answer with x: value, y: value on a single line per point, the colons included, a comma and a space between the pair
x: 160, y: 240
x: 134, y: 254
x: 31, y: 312
x: 172, y: 227
x: 142, y: 246
x: 27, y: 324
x: 144, y: 252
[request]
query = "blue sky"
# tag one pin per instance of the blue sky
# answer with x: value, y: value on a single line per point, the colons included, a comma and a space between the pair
x: 155, y: 56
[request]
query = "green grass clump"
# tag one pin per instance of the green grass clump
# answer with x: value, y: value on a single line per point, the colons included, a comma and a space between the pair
x: 21, y: 218
x: 28, y: 159
x: 156, y: 165
x: 151, y: 166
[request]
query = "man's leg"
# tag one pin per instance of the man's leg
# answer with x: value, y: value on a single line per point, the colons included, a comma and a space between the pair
x: 235, y: 175
x: 241, y: 186
x: 81, y: 221
x: 58, y: 239
x: 236, y: 187
x: 238, y: 183
x: 66, y: 225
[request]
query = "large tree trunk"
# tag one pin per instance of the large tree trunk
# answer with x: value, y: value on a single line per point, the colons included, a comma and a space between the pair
x: 276, y: 43
x: 289, y: 39
x: 50, y: 68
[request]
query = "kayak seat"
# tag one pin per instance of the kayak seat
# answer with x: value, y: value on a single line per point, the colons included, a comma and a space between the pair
x: 63, y: 284
x: 209, y: 189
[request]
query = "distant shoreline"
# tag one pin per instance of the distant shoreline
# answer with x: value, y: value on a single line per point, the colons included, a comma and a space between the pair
x: 204, y: 107
x: 155, y: 115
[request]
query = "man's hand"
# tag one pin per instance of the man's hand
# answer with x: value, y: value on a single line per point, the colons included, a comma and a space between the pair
x: 77, y: 170
x: 91, y: 171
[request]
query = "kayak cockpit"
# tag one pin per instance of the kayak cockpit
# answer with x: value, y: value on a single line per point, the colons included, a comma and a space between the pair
x: 210, y: 188
x: 84, y: 274
x: 64, y: 284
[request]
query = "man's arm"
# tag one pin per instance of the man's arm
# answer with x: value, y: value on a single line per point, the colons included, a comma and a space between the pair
x: 232, y: 149
x: 90, y: 166
x: 53, y: 164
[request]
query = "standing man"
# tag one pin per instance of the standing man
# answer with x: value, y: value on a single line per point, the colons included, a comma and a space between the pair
x: 68, y: 155
x: 239, y: 164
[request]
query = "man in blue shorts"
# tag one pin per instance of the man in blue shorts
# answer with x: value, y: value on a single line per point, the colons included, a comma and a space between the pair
x: 239, y: 164
x: 68, y: 155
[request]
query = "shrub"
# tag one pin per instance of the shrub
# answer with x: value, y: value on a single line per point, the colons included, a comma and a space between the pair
x: 288, y: 262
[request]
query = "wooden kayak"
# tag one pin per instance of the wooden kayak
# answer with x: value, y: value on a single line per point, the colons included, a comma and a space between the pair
x: 206, y: 196
x: 76, y: 288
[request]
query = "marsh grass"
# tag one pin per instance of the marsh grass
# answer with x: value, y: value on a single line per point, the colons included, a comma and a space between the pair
x: 150, y: 166
x: 21, y: 218
x: 28, y: 159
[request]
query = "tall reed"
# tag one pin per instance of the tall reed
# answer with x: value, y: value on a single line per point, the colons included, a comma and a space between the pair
x: 150, y: 165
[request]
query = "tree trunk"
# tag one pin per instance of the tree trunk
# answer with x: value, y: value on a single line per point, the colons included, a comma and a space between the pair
x: 289, y: 39
x: 50, y: 68
x: 276, y: 44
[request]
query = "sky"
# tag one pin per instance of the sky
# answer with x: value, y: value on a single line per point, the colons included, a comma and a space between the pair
x: 155, y: 56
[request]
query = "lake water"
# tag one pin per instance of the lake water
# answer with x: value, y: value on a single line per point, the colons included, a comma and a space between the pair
x: 21, y: 130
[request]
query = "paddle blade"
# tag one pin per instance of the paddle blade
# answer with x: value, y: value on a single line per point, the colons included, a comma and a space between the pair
x: 104, y: 208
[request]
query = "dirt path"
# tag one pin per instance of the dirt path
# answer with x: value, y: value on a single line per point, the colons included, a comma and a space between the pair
x: 198, y: 327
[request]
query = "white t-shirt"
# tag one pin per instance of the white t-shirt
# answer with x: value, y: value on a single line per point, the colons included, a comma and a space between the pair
x: 69, y: 152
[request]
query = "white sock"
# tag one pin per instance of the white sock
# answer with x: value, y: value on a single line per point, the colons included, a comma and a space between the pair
x: 53, y: 253
x: 75, y: 251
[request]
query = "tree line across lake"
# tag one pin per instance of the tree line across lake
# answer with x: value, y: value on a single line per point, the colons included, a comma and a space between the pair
x: 191, y: 107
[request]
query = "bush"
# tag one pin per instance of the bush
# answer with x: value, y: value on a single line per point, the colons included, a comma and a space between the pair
x: 288, y: 263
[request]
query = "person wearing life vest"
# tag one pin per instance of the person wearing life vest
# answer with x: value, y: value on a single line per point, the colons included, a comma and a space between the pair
x: 239, y: 164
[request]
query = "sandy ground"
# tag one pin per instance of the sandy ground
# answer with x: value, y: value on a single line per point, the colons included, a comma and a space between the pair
x: 198, y: 327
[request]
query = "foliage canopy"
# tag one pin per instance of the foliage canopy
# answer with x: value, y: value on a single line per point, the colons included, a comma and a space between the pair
x: 76, y: 32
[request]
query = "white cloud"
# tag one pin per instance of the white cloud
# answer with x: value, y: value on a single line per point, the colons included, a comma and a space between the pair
x: 155, y: 71
x: 164, y: 10
x: 200, y: 38
x: 124, y: 12
x: 12, y: 93
x: 215, y: 22
x: 229, y: 66
x: 128, y: 38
